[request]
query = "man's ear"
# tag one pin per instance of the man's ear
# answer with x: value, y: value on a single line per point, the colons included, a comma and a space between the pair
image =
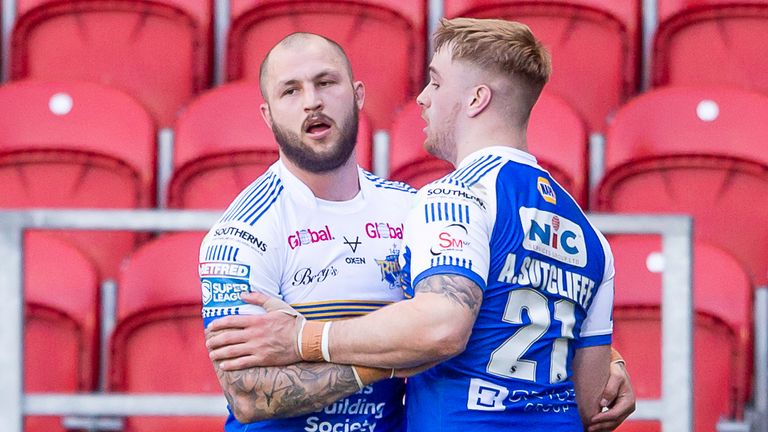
x: 266, y: 115
x: 359, y: 89
x: 479, y: 100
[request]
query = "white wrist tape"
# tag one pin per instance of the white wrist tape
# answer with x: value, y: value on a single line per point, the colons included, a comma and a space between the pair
x: 324, y: 342
x: 301, y: 333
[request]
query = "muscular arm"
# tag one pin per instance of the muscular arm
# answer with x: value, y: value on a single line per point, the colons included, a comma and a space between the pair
x: 284, y: 391
x: 433, y: 326
x: 590, y: 374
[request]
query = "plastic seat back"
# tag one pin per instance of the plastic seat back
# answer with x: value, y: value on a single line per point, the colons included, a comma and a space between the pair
x: 704, y: 155
x: 722, y: 318
x: 77, y: 145
x: 157, y: 51
x: 158, y: 345
x: 711, y: 42
x: 61, y: 333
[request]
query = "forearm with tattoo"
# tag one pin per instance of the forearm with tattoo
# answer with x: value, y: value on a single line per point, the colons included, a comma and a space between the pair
x: 458, y: 289
x: 277, y: 392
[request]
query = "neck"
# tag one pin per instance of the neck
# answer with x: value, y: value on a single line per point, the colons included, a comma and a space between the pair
x: 479, y: 136
x: 341, y: 184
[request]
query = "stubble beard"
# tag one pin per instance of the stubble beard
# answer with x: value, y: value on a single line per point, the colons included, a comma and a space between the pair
x: 306, y: 158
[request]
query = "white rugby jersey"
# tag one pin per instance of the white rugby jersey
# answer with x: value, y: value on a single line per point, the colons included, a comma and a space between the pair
x: 547, y: 280
x: 329, y: 260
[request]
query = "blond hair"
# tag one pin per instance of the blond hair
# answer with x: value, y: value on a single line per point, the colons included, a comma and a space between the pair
x: 506, y: 47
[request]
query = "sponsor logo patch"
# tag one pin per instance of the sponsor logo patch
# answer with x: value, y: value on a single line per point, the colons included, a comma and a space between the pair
x: 546, y: 190
x: 309, y: 236
x: 307, y: 276
x: 381, y: 230
x: 553, y: 236
x: 452, y: 238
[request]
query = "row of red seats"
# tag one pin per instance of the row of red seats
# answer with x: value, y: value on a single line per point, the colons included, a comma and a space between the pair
x: 160, y: 51
x: 671, y: 150
x: 158, y: 347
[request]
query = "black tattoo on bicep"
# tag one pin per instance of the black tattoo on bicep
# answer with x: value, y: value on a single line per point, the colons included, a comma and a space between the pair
x: 288, y: 391
x: 456, y: 288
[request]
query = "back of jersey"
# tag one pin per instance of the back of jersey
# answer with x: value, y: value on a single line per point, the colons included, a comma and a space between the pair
x: 547, y: 276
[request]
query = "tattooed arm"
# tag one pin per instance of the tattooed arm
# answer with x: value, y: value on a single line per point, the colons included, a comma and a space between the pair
x: 287, y: 391
x: 433, y: 326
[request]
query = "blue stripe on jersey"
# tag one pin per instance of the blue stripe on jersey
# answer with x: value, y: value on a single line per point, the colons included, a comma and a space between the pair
x: 597, y: 340
x: 472, y: 173
x: 446, y: 212
x: 256, y: 200
x: 248, y: 195
x: 482, y: 171
x: 451, y: 261
x: 388, y: 184
x: 451, y: 270
x: 257, y: 213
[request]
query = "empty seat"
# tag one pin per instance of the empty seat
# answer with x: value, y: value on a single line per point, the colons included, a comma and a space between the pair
x: 61, y: 317
x: 699, y: 151
x: 223, y: 145
x: 707, y: 42
x: 385, y: 42
x: 556, y: 136
x: 158, y: 345
x: 722, y: 319
x: 595, y: 47
x: 77, y: 145
x: 157, y: 51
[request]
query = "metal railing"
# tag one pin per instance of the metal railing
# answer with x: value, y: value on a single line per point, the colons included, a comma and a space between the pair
x: 674, y: 409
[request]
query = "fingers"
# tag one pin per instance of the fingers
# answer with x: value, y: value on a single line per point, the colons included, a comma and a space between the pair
x: 224, y: 338
x: 239, y: 363
x: 611, y: 390
x: 228, y: 352
x: 606, y: 426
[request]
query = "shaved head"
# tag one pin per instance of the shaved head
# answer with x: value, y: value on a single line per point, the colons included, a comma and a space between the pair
x: 295, y: 40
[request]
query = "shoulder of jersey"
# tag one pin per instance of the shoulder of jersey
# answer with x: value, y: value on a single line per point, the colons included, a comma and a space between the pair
x: 256, y: 200
x: 391, y: 185
x: 470, y: 174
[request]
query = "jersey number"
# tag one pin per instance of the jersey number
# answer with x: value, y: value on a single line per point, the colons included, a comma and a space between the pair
x: 507, y: 360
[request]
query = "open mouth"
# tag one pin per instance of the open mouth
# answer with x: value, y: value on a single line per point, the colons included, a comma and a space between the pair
x: 317, y: 127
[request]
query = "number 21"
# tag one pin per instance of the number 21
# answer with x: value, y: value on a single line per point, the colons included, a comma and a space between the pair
x: 507, y: 361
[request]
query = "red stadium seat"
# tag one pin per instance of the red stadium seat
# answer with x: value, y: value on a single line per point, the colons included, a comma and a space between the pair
x: 722, y: 304
x: 712, y: 42
x: 61, y: 318
x: 158, y: 51
x: 384, y: 39
x: 222, y: 145
x: 158, y: 344
x: 595, y: 47
x: 704, y: 155
x: 556, y: 136
x: 77, y: 144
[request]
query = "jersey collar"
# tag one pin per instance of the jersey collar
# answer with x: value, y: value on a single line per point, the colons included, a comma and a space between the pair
x: 506, y: 152
x: 302, y: 195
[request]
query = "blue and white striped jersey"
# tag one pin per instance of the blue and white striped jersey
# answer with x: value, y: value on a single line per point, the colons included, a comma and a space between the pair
x: 329, y: 260
x: 547, y: 279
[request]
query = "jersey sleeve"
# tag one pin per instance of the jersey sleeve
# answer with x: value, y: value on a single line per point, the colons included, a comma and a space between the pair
x: 237, y: 258
x: 598, y: 324
x: 447, y: 232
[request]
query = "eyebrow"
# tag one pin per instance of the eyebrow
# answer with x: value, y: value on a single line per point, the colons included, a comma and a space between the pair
x: 321, y: 74
x: 434, y: 71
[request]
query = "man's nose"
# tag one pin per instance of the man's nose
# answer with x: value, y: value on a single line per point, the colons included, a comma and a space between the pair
x: 421, y: 99
x: 312, y: 100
